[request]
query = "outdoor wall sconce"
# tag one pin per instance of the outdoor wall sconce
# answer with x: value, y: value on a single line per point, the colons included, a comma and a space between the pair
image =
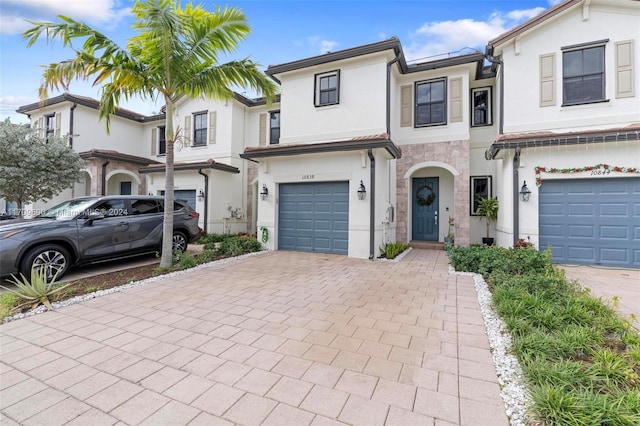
x: 362, y: 191
x: 524, y: 192
x: 264, y: 193
x: 151, y: 194
x: 200, y: 195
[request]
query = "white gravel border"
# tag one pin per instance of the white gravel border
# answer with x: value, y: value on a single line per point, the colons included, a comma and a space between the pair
x: 40, y: 309
x: 508, y: 369
x: 398, y: 258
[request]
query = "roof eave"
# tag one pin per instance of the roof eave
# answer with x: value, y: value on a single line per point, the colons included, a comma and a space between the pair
x: 317, y: 148
x: 193, y: 166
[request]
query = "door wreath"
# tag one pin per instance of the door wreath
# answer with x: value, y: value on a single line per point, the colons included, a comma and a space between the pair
x: 430, y: 198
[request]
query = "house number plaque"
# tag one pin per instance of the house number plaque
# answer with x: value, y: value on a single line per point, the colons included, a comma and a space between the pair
x: 308, y: 177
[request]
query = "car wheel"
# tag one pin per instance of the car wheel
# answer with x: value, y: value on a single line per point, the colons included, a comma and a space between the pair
x: 179, y: 243
x: 52, y: 257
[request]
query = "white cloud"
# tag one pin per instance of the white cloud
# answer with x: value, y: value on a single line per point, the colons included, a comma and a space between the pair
x: 437, y: 39
x: 321, y: 45
x: 107, y: 13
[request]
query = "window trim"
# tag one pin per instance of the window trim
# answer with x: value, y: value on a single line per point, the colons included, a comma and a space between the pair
x: 271, y: 139
x: 49, y: 131
x: 582, y: 47
x: 162, y: 139
x: 317, y: 91
x: 474, y: 196
x: 444, y: 102
x: 489, y: 91
x: 204, y: 128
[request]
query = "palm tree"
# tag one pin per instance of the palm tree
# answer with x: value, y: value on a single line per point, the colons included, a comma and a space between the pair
x: 174, y: 53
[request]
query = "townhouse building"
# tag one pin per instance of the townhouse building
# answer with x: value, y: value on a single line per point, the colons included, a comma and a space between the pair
x: 363, y: 147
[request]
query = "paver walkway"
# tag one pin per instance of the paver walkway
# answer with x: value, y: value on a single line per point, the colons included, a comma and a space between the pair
x: 281, y: 338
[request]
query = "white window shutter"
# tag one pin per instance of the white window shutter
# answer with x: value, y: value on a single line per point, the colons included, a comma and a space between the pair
x: 212, y: 127
x: 455, y: 100
x: 58, y: 123
x: 547, y: 80
x: 263, y: 129
x: 625, y: 84
x: 41, y: 128
x: 187, y: 130
x: 154, y: 134
x: 406, y: 105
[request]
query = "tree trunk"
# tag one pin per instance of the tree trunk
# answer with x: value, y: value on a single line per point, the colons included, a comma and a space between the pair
x: 167, y: 229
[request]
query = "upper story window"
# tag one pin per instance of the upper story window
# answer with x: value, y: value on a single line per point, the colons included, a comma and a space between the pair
x: 430, y: 99
x: 162, y: 140
x: 327, y: 88
x: 49, y: 126
x: 481, y: 104
x: 200, y: 129
x: 274, y: 127
x: 583, y: 74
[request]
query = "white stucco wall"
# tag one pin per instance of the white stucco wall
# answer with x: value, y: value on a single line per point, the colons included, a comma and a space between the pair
x: 351, y: 166
x: 521, y: 62
x: 361, y: 108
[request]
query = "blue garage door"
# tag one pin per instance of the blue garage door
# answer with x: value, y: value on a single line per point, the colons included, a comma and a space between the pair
x: 591, y: 221
x: 314, y: 217
x: 187, y: 195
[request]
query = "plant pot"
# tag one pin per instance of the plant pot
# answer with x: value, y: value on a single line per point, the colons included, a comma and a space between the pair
x: 487, y: 241
x: 448, y: 240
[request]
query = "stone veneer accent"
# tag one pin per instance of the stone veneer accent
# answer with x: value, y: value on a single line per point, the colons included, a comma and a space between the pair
x: 456, y: 155
x: 94, y: 167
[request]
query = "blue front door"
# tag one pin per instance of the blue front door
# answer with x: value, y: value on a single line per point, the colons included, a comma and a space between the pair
x: 424, y: 192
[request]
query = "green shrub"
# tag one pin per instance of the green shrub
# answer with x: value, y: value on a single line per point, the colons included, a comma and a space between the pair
x: 581, y: 360
x: 211, y: 239
x: 392, y: 250
x: 235, y: 246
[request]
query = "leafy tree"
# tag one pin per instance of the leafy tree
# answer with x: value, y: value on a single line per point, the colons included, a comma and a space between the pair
x: 175, y: 53
x: 32, y: 168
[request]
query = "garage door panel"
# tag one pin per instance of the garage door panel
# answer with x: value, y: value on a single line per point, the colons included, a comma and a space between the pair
x: 591, y: 221
x: 314, y: 217
x: 613, y: 255
x: 614, y: 232
x: 583, y: 231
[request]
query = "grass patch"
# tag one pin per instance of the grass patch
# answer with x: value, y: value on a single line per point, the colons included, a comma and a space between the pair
x: 581, y: 360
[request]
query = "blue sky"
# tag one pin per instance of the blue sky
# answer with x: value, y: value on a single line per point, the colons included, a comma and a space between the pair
x: 282, y: 31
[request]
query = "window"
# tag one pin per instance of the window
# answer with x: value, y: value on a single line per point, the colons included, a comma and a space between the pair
x: 583, y: 75
x: 480, y: 188
x: 327, y: 88
x: 274, y: 126
x: 200, y: 129
x: 162, y: 141
x: 481, y: 114
x: 112, y: 208
x: 50, y: 126
x: 430, y: 99
x: 145, y: 206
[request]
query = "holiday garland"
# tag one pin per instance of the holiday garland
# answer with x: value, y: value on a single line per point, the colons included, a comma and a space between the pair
x: 604, y: 168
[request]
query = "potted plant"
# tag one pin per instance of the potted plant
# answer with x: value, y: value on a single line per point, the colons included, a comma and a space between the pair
x: 450, y: 237
x: 488, y: 207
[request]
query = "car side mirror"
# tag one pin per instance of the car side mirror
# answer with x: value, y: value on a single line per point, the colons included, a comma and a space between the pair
x: 93, y: 215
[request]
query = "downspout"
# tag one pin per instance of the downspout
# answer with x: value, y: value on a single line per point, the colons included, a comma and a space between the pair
x: 494, y: 60
x: 71, y: 125
x: 372, y: 205
x: 516, y: 193
x: 391, y: 62
x: 104, y: 176
x: 206, y: 198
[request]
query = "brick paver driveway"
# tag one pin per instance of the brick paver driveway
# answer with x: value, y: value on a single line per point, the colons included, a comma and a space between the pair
x: 280, y: 338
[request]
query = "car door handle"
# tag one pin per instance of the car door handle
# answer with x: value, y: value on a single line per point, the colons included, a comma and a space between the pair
x: 122, y: 224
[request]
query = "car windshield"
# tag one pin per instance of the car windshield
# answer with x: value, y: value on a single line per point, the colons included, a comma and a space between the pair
x: 67, y: 210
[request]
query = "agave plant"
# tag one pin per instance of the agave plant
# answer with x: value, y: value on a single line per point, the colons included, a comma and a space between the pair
x: 37, y: 290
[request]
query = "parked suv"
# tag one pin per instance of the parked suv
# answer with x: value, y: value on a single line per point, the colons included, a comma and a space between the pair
x: 89, y: 230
